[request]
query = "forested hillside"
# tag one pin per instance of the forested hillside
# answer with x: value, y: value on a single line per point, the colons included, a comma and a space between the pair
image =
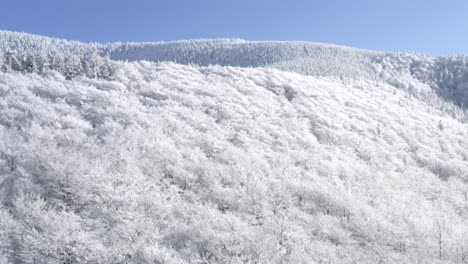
x: 295, y: 153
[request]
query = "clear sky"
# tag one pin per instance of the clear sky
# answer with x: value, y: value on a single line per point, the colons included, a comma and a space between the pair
x: 437, y: 27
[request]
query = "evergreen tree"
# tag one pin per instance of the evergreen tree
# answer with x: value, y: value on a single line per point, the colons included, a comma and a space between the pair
x: 30, y: 64
x: 72, y: 67
x: 2, y: 62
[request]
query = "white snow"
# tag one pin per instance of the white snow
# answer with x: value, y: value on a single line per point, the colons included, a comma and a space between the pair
x: 339, y: 156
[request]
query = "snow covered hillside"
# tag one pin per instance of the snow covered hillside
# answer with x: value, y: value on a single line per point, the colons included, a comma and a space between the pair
x: 296, y: 153
x: 413, y: 72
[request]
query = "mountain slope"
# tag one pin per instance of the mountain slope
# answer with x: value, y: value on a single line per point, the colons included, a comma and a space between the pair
x: 171, y: 163
x: 413, y: 72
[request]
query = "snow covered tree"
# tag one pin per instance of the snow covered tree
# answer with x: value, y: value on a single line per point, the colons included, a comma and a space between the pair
x: 72, y: 67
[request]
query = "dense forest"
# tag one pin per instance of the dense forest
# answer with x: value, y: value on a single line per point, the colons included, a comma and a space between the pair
x: 163, y: 153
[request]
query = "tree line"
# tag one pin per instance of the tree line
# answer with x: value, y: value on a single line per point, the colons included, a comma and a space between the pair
x: 91, y: 65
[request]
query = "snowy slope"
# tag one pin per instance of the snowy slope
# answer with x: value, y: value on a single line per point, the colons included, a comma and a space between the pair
x: 250, y: 54
x: 161, y: 162
x: 413, y: 72
x: 448, y: 76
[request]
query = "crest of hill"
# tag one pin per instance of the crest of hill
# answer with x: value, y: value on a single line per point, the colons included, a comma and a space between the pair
x: 16, y: 42
x: 413, y: 72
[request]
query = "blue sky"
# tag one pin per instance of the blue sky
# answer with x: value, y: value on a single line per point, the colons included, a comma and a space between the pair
x: 437, y: 27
